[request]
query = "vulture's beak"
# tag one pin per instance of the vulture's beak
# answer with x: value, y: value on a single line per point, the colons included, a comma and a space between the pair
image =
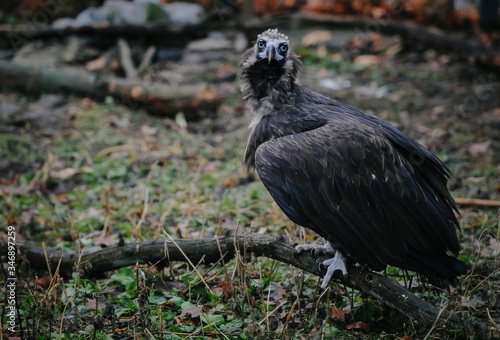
x: 271, y: 51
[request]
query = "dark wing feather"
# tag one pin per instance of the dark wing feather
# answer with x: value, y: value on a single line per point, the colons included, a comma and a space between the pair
x: 352, y: 184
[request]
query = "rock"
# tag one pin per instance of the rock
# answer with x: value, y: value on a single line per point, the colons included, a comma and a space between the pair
x: 184, y: 12
x: 335, y: 84
x: 76, y: 51
x: 47, y: 114
x: 214, y: 41
x: 118, y: 12
x: 9, y: 112
x: 240, y: 43
x: 167, y: 53
x: 366, y: 60
x: 372, y: 90
x: 63, y: 23
x: 38, y: 55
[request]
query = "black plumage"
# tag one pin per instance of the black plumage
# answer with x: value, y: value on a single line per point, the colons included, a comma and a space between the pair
x: 378, y: 197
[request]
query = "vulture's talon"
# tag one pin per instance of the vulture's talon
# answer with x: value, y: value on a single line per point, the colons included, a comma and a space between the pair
x: 320, y: 264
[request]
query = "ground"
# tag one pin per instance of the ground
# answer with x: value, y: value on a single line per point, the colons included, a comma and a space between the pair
x: 78, y: 174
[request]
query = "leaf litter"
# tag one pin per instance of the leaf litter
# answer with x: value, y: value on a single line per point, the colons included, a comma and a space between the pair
x: 95, y: 172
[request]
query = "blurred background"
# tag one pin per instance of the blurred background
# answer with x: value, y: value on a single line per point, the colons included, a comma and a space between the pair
x: 121, y: 121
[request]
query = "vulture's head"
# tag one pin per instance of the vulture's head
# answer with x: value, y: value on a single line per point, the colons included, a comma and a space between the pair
x: 272, y: 47
x: 268, y: 70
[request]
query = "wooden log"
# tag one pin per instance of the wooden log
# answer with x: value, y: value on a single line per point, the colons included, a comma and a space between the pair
x: 178, y: 35
x: 195, y: 101
x: 15, y: 36
x: 211, y: 250
x: 476, y: 201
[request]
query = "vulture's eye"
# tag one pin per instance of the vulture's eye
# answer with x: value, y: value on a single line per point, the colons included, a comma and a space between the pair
x: 284, y: 47
x: 261, y: 44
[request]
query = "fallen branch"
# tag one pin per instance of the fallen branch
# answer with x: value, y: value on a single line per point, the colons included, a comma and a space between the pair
x: 126, y: 59
x: 209, y: 250
x: 477, y: 201
x: 172, y: 35
x: 146, y: 59
x: 166, y: 35
x: 195, y: 101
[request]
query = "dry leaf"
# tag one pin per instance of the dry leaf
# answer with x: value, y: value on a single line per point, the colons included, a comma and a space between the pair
x: 337, y: 313
x: 316, y: 38
x: 108, y: 240
x: 277, y: 295
x: 359, y: 325
x: 230, y: 182
x: 147, y: 130
x: 366, y: 60
x: 478, y: 148
x: 195, y: 312
x: 62, y: 198
x: 91, y: 304
x: 27, y: 217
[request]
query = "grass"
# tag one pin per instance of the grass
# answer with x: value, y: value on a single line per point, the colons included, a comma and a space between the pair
x: 112, y: 173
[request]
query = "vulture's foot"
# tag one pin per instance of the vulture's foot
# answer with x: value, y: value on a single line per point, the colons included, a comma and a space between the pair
x: 333, y: 264
x: 315, y: 249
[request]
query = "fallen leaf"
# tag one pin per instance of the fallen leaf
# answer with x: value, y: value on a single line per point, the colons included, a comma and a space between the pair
x: 62, y: 198
x: 230, y: 182
x: 491, y: 249
x: 277, y: 295
x: 108, y: 240
x: 91, y: 304
x: 195, y: 312
x: 69, y: 172
x: 87, y: 103
x: 337, y: 313
x: 147, y: 130
x: 43, y: 282
x: 475, y: 149
x: 366, y: 60
x: 96, y: 64
x: 316, y: 38
x: 91, y: 213
x: 359, y: 325
x: 27, y: 217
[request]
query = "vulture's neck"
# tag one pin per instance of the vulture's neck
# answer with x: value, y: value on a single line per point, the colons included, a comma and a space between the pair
x: 267, y: 88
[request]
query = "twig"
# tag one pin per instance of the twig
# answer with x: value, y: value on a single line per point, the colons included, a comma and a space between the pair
x: 146, y: 59
x: 126, y: 59
x: 189, y: 261
x: 441, y: 310
x: 138, y: 227
x: 273, y: 311
x: 477, y: 201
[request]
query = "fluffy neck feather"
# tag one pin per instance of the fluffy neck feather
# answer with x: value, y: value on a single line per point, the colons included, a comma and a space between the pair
x: 265, y: 91
x: 267, y: 88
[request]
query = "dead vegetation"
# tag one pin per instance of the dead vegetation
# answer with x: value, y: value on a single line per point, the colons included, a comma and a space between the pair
x: 83, y: 174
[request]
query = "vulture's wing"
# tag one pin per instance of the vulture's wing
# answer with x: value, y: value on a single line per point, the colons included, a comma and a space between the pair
x: 355, y: 186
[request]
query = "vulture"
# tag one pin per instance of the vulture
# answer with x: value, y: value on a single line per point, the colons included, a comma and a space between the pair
x: 374, y: 194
